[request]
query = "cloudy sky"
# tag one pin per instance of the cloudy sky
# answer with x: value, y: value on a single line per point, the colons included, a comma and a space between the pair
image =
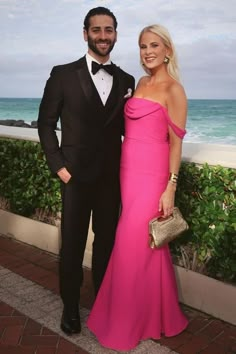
x: 37, y: 34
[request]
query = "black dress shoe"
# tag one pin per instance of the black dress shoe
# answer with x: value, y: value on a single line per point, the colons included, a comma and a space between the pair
x: 70, y: 321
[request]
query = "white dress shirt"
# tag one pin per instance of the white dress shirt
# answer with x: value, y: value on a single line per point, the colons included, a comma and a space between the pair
x: 102, y: 80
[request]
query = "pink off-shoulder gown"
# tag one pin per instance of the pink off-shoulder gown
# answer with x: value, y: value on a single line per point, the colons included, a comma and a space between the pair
x: 138, y: 297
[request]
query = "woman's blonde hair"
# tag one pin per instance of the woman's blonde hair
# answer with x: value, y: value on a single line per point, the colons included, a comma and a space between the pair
x: 163, y: 33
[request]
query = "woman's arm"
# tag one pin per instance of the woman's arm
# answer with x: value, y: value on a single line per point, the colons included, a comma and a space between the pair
x: 177, y: 110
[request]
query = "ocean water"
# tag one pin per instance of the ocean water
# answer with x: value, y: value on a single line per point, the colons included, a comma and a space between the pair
x: 209, y: 121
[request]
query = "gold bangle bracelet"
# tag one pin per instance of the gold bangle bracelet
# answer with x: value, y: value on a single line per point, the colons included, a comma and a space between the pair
x: 173, y: 177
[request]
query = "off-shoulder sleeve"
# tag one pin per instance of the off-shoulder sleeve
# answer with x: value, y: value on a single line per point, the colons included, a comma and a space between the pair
x: 177, y: 130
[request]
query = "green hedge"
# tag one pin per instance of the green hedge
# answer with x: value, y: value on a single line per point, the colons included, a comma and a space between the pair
x: 206, y: 195
x: 25, y: 180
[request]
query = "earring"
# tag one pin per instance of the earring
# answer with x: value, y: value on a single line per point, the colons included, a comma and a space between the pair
x: 166, y: 60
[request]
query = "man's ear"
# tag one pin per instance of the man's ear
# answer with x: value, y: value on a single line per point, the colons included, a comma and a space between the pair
x: 85, y: 35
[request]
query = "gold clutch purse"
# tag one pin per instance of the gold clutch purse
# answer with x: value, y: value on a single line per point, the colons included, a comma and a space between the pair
x: 164, y: 230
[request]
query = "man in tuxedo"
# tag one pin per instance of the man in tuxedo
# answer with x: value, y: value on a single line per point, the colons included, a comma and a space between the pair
x: 88, y: 97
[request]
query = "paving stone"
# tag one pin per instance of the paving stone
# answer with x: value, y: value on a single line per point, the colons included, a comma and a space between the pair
x: 11, y: 280
x: 12, y: 334
x: 5, y: 310
x: 47, y: 341
x: 32, y: 327
x: 13, y: 321
x: 11, y: 349
x: 198, y: 323
x: 46, y: 350
x: 48, y: 301
x: 195, y: 345
x: 51, y: 303
x: 214, y: 328
x: 176, y: 341
x: 3, y: 272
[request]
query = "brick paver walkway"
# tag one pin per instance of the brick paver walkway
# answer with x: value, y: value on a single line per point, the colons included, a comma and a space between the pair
x: 30, y: 310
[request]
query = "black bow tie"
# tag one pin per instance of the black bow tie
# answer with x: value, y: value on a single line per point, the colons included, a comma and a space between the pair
x: 96, y: 67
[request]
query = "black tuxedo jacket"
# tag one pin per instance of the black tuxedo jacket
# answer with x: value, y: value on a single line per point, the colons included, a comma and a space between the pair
x: 90, y: 132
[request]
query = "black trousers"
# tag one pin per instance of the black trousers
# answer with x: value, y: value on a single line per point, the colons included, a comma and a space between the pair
x: 79, y: 200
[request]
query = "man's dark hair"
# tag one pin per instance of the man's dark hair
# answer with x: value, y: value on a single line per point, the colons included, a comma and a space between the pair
x: 99, y: 11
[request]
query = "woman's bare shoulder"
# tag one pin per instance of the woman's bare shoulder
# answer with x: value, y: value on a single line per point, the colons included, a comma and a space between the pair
x: 143, y: 80
x: 176, y: 89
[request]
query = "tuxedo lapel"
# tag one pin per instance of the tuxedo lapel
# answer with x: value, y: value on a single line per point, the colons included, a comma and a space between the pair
x: 115, y: 99
x: 87, y: 84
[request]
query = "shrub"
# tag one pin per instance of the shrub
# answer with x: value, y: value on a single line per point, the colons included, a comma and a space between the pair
x: 206, y: 195
x: 25, y: 180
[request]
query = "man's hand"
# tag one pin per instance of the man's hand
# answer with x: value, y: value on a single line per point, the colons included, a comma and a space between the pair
x: 64, y: 175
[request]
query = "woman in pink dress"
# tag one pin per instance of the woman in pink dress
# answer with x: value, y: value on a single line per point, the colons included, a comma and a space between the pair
x: 138, y: 297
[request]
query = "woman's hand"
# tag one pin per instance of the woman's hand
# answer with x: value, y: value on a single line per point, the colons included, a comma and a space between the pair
x: 167, y: 200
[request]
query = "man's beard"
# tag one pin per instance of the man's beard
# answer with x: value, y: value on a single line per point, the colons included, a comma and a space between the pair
x: 93, y: 47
